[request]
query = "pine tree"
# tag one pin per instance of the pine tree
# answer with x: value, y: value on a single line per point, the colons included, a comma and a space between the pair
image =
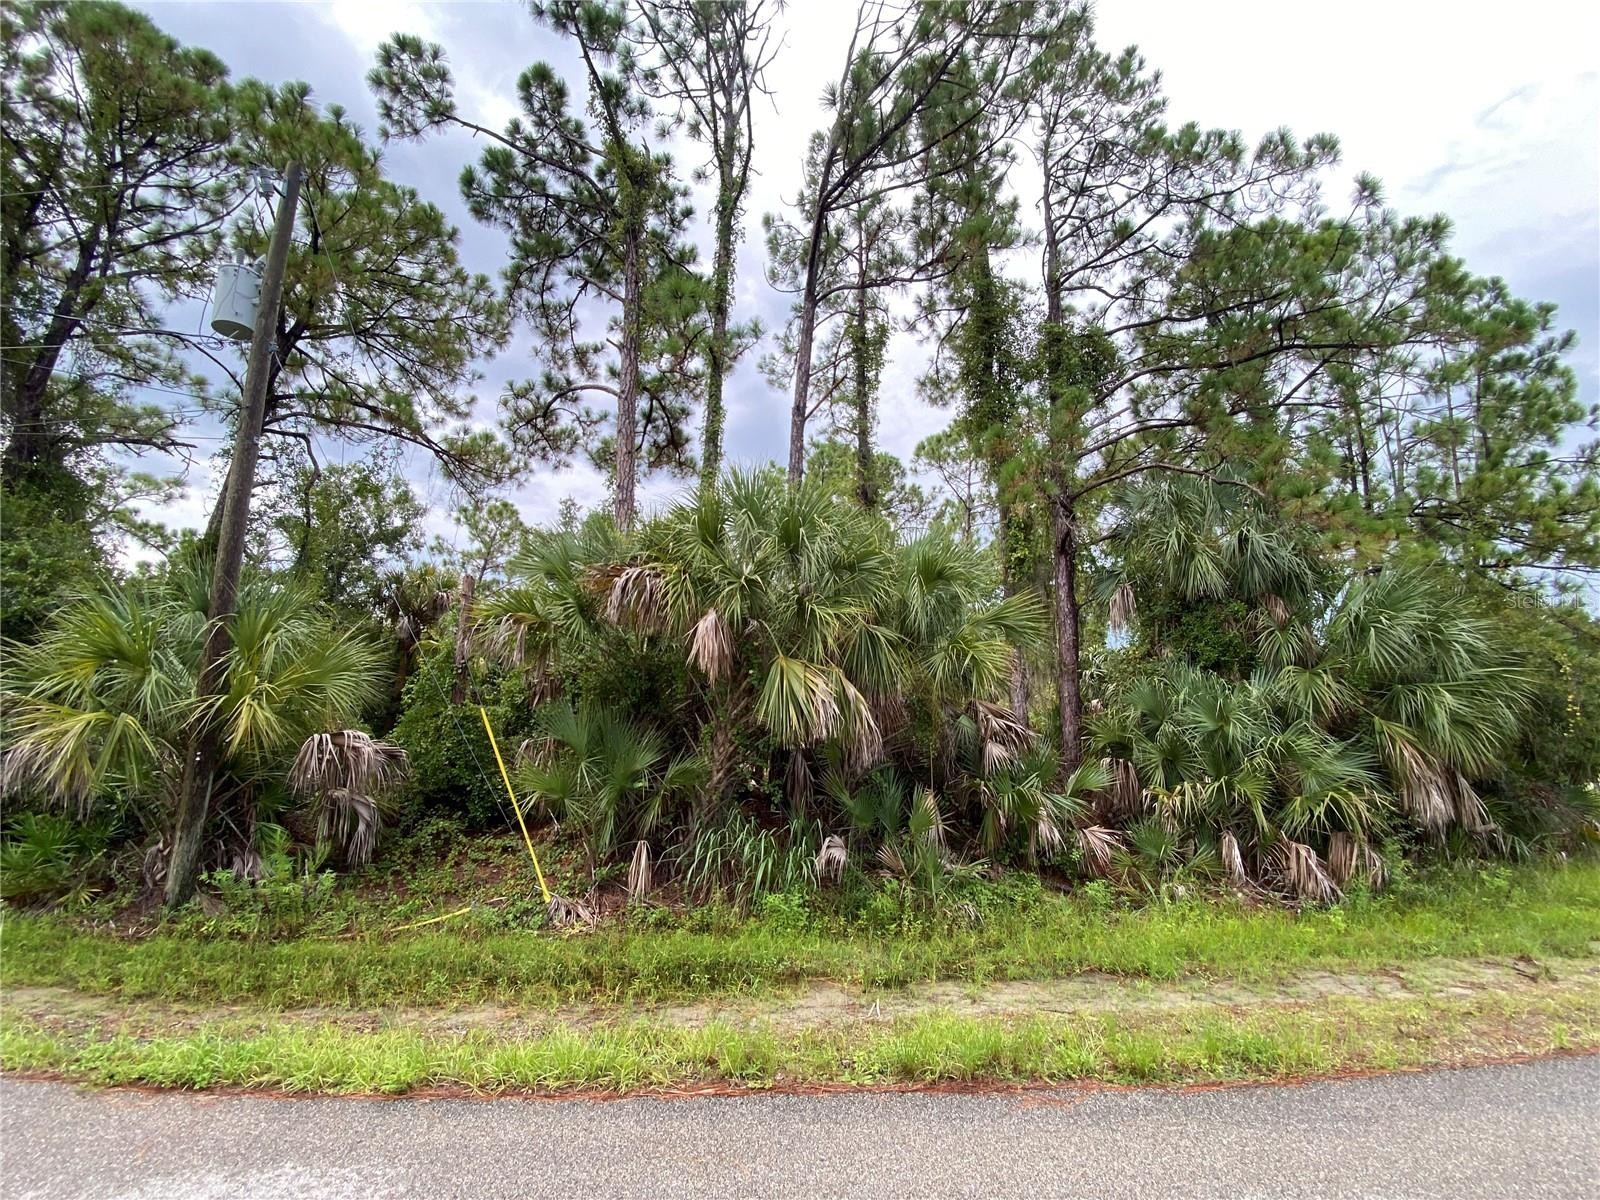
x: 116, y: 175
x: 381, y: 327
x: 917, y: 78
x: 710, y: 58
x: 867, y: 258
x: 596, y: 217
x: 1194, y: 292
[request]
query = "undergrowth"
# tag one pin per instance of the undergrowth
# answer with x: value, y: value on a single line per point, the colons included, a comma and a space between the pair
x: 1006, y: 931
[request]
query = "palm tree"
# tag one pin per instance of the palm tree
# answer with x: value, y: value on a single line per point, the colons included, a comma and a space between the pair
x: 98, y: 709
x: 808, y: 631
x: 550, y: 607
x: 1371, y: 718
x: 1186, y: 541
x: 805, y: 618
x: 607, y: 777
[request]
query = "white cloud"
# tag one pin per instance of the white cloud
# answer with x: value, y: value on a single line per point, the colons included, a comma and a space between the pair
x: 368, y: 22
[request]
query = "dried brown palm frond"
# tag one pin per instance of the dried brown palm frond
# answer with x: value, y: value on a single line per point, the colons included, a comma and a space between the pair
x: 1096, y: 846
x: 349, y: 820
x: 891, y: 860
x: 858, y: 728
x: 1470, y: 812
x: 637, y: 597
x: 344, y: 772
x: 890, y: 710
x: 1049, y: 831
x: 345, y: 759
x: 1276, y: 609
x: 1126, y: 797
x: 504, y: 640
x: 246, y: 864
x: 1002, y: 732
x: 1351, y: 857
x: 1425, y: 790
x: 1304, y: 873
x: 1232, y: 860
x: 832, y: 859
x: 153, y: 866
x: 710, y: 646
x: 1122, y: 608
x: 1372, y: 865
x: 567, y: 914
x: 1342, y: 858
x: 641, y: 872
x: 797, y: 781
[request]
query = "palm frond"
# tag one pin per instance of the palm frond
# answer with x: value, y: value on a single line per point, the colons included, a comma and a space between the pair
x: 832, y: 859
x: 710, y: 646
x: 1120, y: 614
x: 641, y: 872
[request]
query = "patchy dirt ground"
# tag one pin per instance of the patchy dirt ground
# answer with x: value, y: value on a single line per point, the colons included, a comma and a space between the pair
x: 825, y: 1004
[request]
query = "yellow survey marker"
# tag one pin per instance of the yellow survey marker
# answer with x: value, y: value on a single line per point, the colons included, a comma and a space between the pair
x: 521, y: 824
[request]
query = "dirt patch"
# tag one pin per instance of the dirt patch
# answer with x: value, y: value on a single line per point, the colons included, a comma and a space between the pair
x: 823, y: 1005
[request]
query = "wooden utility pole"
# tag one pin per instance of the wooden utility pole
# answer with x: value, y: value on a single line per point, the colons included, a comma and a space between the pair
x: 200, y: 768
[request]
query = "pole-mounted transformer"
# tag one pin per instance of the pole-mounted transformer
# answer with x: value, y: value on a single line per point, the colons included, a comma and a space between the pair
x: 236, y: 299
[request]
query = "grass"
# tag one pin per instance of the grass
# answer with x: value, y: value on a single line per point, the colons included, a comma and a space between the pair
x: 1214, y: 1046
x: 1539, y: 911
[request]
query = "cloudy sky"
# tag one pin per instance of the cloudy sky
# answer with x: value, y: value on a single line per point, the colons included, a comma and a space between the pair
x: 1486, y: 112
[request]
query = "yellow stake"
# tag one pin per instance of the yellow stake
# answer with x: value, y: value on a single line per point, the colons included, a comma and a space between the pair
x: 528, y: 841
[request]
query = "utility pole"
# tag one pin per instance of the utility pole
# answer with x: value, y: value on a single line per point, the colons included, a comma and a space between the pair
x: 200, y: 768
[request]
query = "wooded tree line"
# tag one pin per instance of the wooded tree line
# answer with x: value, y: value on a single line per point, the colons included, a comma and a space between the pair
x: 1199, y: 390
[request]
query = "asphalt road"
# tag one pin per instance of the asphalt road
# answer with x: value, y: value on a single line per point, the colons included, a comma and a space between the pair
x: 1523, y: 1131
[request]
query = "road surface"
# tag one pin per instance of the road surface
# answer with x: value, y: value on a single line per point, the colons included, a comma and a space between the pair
x: 1526, y: 1131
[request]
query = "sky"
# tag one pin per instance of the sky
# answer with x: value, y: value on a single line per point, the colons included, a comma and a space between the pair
x: 1485, y: 112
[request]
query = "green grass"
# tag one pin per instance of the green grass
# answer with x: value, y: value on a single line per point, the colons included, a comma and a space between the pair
x: 1332, y: 1036
x: 1541, y: 911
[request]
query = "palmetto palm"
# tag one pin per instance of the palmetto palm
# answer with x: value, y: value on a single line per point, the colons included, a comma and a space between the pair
x: 101, y: 706
x: 1380, y: 710
x: 1198, y: 539
x: 778, y: 592
x: 608, y: 776
x: 805, y: 624
x: 551, y: 604
x: 803, y: 604
x: 1427, y: 686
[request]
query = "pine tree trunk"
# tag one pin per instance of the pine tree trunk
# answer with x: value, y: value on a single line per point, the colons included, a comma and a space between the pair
x: 628, y: 378
x: 866, y: 490
x: 30, y: 439
x: 717, y: 365
x: 802, y: 382
x: 1069, y: 681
